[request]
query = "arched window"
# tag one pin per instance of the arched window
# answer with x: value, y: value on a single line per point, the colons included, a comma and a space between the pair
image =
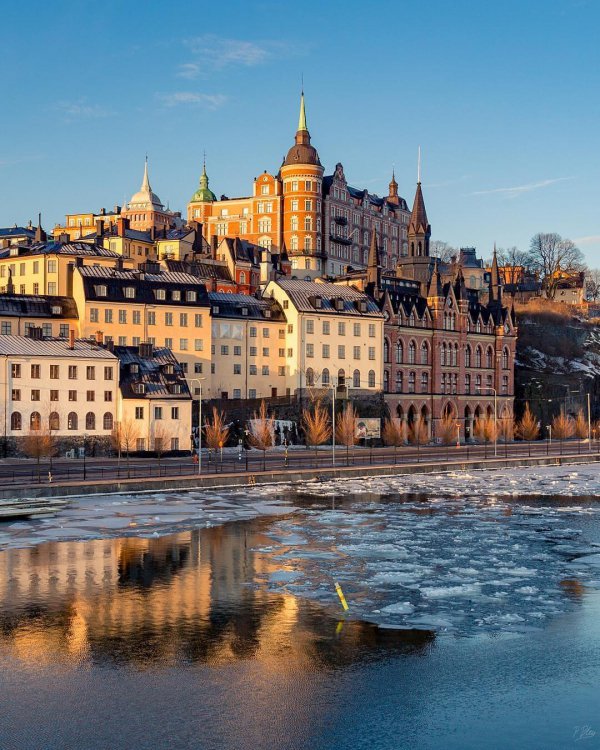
x: 242, y: 277
x: 325, y: 377
x: 371, y: 378
x: 90, y: 421
x: 489, y: 357
x: 386, y: 350
x: 356, y: 379
x: 455, y: 356
x: 505, y: 359
x: 54, y: 421
x: 443, y: 355
x: 386, y: 381
x: 399, y: 381
x: 310, y: 376
x: 411, y: 382
x: 478, y: 384
x: 478, y: 357
x: 16, y: 423
x: 107, y: 421
x: 468, y: 356
x: 412, y: 353
x: 72, y: 421
x: 424, y: 382
x: 35, y: 421
x: 341, y: 378
x: 399, y: 353
x: 424, y: 353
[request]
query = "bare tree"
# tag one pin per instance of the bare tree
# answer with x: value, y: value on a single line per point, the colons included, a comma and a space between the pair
x: 345, y: 429
x: 442, y: 250
x: 316, y: 426
x: 563, y: 427
x: 216, y: 432
x: 446, y: 431
x: 549, y: 255
x: 513, y: 263
x: 39, y: 442
x: 261, y: 431
x: 592, y: 284
x: 528, y: 427
x: 162, y: 438
x: 124, y: 438
x: 393, y: 433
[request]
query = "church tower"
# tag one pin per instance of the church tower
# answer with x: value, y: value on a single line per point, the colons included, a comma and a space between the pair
x: 302, y: 178
x: 200, y: 203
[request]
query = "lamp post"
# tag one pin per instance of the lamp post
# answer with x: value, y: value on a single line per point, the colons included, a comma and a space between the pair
x: 458, y: 434
x: 84, y: 467
x: 199, y: 381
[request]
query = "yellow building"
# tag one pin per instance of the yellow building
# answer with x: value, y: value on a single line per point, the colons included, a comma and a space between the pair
x: 248, y: 347
x: 130, y: 307
x: 54, y: 316
x: 334, y: 336
x: 66, y: 386
x: 80, y: 225
x: 47, y: 268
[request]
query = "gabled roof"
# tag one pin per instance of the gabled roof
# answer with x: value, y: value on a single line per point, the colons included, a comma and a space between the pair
x: 359, y: 194
x: 17, y: 232
x: 152, y: 371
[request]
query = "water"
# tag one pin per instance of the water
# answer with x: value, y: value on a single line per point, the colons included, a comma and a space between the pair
x: 231, y: 636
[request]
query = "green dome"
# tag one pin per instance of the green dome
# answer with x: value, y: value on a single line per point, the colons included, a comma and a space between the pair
x: 204, y: 194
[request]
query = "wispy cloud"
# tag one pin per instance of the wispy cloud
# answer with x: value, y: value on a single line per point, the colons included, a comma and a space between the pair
x: 82, y: 110
x: 590, y: 239
x: 514, y: 192
x: 192, y: 98
x: 211, y: 52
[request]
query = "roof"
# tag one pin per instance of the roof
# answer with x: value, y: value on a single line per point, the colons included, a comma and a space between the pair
x: 231, y: 305
x: 152, y: 372
x: 17, y: 231
x: 145, y: 285
x: 418, y: 218
x: 57, y: 248
x: 301, y: 294
x: 359, y: 194
x: 29, y: 347
x: 200, y: 269
x: 35, y: 306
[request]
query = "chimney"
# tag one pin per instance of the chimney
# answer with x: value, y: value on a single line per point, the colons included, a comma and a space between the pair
x: 214, y: 244
x: 99, y: 338
x: 122, y: 226
x: 119, y: 263
x: 117, y: 209
x: 153, y: 233
x: 99, y: 227
x: 146, y: 350
x: 110, y: 345
x: 79, y: 262
x: 64, y: 238
x: 71, y: 338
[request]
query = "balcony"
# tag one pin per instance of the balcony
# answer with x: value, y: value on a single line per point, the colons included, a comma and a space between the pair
x: 340, y: 240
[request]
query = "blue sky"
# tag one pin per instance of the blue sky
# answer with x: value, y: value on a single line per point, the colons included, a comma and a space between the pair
x: 503, y: 99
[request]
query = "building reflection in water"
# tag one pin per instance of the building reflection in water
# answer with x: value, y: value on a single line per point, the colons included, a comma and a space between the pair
x: 188, y: 597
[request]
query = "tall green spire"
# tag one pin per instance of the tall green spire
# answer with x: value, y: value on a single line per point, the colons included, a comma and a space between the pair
x: 204, y: 193
x: 302, y: 118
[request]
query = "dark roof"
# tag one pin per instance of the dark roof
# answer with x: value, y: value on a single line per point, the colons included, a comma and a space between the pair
x: 302, y: 294
x: 35, y: 306
x: 152, y: 371
x: 17, y: 232
x: 28, y: 347
x: 232, y: 306
x: 418, y: 218
x: 57, y: 248
x: 145, y: 285
x: 359, y: 194
x: 244, y: 251
x: 201, y: 269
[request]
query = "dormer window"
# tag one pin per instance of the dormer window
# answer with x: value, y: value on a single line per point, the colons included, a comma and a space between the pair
x: 160, y: 294
x: 267, y: 313
x: 56, y: 310
x: 168, y: 369
x: 14, y: 251
x: 101, y: 290
x: 176, y: 295
x: 175, y: 388
x: 244, y: 311
x: 338, y: 303
x: 215, y: 309
x: 134, y: 368
x: 129, y: 292
x: 139, y: 388
x: 191, y: 296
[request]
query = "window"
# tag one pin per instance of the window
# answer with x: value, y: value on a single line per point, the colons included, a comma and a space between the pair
x: 468, y: 384
x: 108, y: 395
x: 253, y: 332
x: 16, y: 394
x: 489, y: 358
x: 224, y: 349
x: 326, y: 351
x: 237, y: 369
x: 160, y: 294
x: 158, y: 412
x: 15, y: 421
x: 137, y: 317
x: 107, y: 421
x: 183, y: 345
x: 371, y: 378
x: 63, y: 331
x: 356, y: 352
x: 265, y: 369
x: 15, y: 370
x: 310, y: 326
x: 168, y: 319
x: 35, y: 421
x: 310, y: 350
x: 140, y: 444
x: 478, y: 357
x: 108, y: 373
x: 53, y: 395
x: 468, y: 356
x: 35, y: 394
x: 341, y: 329
x: 371, y: 352
x: 129, y: 292
x: 90, y: 421
x: 174, y: 412
x: 325, y: 377
x: 265, y: 352
x: 237, y: 350
x: 198, y: 320
x: 505, y: 359
x: 424, y: 382
x: 372, y: 330
x: 424, y: 353
x: 35, y: 371
x: 356, y: 379
x: 90, y: 372
x: 412, y: 353
x: 399, y: 382
x: 6, y: 328
x: 72, y: 420
x: 90, y: 395
x: 168, y: 342
x: 139, y: 412
x: 51, y: 266
x: 183, y: 320
x: 151, y: 317
x: 326, y: 327
x: 93, y: 314
x: 505, y: 385
x: 341, y: 352
x: 357, y: 329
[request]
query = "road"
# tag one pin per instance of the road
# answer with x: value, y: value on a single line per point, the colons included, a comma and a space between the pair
x: 25, y: 471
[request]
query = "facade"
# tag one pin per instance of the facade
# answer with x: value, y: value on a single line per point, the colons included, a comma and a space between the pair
x: 66, y: 387
x: 130, y: 307
x: 80, y: 225
x: 322, y: 223
x: 16, y: 235
x: 249, y: 354
x: 155, y: 405
x: 55, y: 317
x: 334, y: 336
x: 146, y: 211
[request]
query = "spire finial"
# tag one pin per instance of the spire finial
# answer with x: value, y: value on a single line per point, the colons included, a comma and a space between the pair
x: 204, y: 162
x: 146, y: 181
x: 419, y: 166
x: 302, y: 118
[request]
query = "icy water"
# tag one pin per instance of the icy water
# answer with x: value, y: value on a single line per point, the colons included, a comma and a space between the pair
x: 474, y: 618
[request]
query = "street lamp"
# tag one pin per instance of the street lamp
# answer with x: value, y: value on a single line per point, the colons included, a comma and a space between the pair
x: 458, y: 434
x: 199, y: 381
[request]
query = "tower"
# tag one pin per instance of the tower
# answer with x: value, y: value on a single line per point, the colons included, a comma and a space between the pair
x: 145, y: 209
x: 495, y: 294
x: 373, y: 268
x: 393, y: 190
x: 417, y: 264
x: 199, y: 205
x: 302, y: 177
